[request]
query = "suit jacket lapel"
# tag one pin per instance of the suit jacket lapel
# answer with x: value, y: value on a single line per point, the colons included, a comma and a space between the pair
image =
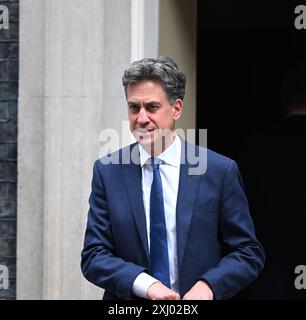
x: 132, y: 179
x: 188, y: 186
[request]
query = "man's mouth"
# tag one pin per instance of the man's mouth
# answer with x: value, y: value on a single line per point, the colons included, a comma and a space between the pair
x: 142, y: 130
x: 143, y: 134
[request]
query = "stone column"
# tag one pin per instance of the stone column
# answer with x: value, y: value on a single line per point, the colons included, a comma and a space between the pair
x: 30, y: 188
x: 72, y: 55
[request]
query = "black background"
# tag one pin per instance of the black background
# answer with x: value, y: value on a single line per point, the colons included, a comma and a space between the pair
x: 243, y: 49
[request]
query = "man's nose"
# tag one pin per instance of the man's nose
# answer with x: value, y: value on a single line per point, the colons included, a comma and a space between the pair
x: 142, y: 117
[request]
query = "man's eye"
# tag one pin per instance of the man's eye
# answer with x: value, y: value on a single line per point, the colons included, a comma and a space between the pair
x: 133, y: 107
x: 153, y: 106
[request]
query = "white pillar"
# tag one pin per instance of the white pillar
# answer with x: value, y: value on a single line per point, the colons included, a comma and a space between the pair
x: 144, y: 29
x: 30, y: 195
x: 72, y: 56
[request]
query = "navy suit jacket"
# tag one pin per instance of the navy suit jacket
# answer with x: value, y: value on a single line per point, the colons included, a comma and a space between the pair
x: 215, y: 234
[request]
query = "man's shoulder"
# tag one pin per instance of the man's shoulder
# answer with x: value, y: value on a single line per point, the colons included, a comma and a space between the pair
x: 218, y: 158
x: 206, y: 161
x: 213, y: 157
x: 126, y: 155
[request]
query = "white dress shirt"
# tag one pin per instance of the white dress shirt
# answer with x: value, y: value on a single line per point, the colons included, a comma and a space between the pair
x: 170, y: 172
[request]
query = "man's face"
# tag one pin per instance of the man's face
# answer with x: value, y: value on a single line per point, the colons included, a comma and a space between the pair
x: 150, y: 113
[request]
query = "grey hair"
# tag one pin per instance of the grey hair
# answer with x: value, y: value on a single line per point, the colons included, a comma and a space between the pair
x: 163, y: 69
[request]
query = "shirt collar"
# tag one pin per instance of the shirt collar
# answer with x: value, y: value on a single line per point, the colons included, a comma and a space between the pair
x: 171, y: 156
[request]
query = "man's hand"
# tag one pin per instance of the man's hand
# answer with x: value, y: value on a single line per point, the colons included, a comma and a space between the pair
x: 158, y: 291
x: 200, y: 291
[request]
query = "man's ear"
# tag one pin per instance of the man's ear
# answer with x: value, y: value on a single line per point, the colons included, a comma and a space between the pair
x: 178, y: 109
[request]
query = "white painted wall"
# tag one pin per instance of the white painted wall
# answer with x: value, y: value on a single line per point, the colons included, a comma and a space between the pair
x: 72, y: 56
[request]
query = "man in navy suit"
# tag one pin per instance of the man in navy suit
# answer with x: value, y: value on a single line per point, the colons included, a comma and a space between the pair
x: 156, y: 229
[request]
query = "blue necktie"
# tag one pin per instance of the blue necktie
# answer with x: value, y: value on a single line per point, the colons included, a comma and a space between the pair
x: 159, y: 257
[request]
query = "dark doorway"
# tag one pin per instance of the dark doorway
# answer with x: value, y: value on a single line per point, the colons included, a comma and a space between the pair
x: 243, y: 49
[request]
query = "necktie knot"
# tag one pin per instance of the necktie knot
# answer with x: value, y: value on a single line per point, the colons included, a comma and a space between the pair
x: 155, y: 164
